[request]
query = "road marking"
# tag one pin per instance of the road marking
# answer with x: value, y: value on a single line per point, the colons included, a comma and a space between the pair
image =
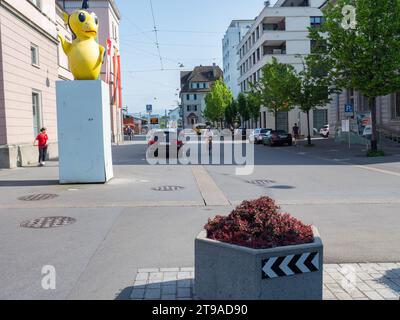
x: 393, y: 173
x: 211, y: 193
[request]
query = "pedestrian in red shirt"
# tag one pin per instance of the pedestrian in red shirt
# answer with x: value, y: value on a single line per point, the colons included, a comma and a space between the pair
x: 42, y: 139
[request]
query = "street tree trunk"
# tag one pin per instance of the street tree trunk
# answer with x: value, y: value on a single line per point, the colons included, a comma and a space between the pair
x: 276, y: 120
x: 308, y: 128
x: 374, y: 135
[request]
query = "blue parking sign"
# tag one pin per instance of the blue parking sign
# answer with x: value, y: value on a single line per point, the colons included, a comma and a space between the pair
x: 348, y: 108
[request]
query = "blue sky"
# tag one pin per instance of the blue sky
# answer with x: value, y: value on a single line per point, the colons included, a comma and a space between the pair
x: 190, y: 32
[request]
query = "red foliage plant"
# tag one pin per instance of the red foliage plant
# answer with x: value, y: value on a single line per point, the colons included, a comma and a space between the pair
x: 258, y: 224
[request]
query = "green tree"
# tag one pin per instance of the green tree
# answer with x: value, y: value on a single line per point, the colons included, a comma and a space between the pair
x: 243, y: 109
x: 365, y: 56
x: 217, y: 100
x: 231, y: 114
x: 312, y: 88
x: 253, y: 106
x: 274, y: 90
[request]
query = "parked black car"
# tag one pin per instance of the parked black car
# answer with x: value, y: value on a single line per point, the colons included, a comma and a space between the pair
x: 278, y: 138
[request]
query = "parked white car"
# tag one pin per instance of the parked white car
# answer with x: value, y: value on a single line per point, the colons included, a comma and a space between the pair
x: 324, y: 131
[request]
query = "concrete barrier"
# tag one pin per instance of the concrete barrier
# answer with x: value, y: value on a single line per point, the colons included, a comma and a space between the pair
x: 230, y: 272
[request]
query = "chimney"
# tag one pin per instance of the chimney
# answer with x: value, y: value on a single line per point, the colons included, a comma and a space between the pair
x: 215, y: 70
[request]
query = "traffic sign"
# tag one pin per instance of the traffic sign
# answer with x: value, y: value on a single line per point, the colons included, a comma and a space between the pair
x: 149, y: 108
x: 348, y: 108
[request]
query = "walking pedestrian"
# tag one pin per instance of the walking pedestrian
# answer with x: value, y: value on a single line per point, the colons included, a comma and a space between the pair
x: 42, y: 145
x: 296, y: 133
x: 208, y: 138
x: 130, y: 133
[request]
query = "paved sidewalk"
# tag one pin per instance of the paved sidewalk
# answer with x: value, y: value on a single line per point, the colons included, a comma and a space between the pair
x: 362, y: 281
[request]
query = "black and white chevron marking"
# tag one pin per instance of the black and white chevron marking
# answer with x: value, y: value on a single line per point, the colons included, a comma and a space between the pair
x: 276, y: 267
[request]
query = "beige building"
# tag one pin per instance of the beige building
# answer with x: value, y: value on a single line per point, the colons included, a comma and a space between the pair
x: 109, y: 17
x: 31, y: 61
x: 30, y: 65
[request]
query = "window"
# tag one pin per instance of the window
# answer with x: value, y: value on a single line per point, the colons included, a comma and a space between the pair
x: 316, y: 22
x: 396, y: 106
x: 188, y: 97
x: 36, y: 112
x: 34, y: 55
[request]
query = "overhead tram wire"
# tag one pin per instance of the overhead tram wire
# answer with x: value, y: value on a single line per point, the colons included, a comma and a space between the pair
x: 156, y: 34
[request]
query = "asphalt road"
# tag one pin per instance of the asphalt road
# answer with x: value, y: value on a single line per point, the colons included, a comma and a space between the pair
x: 126, y: 225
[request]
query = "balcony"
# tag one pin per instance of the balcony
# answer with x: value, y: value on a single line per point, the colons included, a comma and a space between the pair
x: 274, y: 48
x: 274, y: 24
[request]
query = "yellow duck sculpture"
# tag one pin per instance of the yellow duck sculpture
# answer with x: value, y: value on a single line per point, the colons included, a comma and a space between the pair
x: 85, y: 55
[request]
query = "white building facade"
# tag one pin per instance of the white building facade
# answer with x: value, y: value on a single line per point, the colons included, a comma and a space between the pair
x: 232, y: 38
x: 280, y: 31
x: 195, y: 85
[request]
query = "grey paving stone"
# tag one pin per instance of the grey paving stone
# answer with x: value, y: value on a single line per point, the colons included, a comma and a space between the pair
x: 152, y: 294
x: 187, y: 269
x: 387, y: 293
x: 170, y: 283
x: 184, y: 283
x: 327, y: 295
x: 170, y: 276
x: 344, y: 282
x: 356, y: 293
x: 329, y: 279
x: 169, y: 269
x: 142, y: 276
x: 139, y: 284
x: 335, y: 288
x: 343, y: 296
x: 156, y: 285
x: 156, y: 276
x: 148, y: 270
x: 137, y: 294
x: 183, y: 275
x: 336, y: 276
x: 375, y: 285
x: 363, y: 286
x: 184, y: 293
x: 364, y: 276
x: 169, y: 290
x: 373, y: 295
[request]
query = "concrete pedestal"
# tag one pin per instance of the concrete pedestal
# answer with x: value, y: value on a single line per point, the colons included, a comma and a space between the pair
x: 84, y: 132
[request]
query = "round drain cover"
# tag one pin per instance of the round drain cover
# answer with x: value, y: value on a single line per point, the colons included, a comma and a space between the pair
x: 261, y: 182
x: 38, y: 197
x: 48, y: 222
x: 168, y: 188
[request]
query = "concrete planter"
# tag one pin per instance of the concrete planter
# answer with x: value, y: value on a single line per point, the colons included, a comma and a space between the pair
x: 229, y: 272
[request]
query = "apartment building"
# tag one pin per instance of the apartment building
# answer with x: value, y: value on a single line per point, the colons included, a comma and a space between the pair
x: 109, y: 17
x: 31, y: 61
x: 388, y: 110
x: 280, y: 31
x: 235, y: 32
x: 194, y: 87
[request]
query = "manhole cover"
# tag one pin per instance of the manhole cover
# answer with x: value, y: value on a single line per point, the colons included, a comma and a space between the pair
x: 261, y: 182
x: 38, y: 197
x: 48, y: 222
x: 168, y: 188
